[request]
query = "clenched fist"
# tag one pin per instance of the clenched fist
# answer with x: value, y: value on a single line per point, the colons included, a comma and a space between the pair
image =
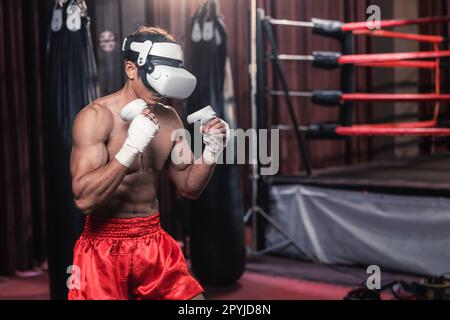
x: 142, y: 130
x: 216, y: 136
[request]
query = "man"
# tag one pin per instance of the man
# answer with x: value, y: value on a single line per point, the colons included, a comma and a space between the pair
x: 116, y: 160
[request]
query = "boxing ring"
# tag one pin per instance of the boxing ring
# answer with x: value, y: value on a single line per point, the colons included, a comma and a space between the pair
x: 393, y: 214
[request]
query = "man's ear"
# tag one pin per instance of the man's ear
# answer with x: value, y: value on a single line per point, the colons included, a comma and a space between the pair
x: 131, y: 70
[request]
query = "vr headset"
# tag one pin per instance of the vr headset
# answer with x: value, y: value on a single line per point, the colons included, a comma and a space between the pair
x: 160, y: 67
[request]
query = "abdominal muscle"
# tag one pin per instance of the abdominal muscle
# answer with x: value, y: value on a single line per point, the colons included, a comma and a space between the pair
x: 135, y: 197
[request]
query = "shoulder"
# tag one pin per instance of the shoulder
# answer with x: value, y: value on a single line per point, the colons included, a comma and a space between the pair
x: 170, y: 114
x: 95, y: 121
x: 95, y: 111
x: 95, y: 114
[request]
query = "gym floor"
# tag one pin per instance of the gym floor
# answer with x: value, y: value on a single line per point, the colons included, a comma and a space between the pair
x: 267, y: 277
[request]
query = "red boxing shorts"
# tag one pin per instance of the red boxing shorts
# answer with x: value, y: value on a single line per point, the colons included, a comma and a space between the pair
x: 120, y: 259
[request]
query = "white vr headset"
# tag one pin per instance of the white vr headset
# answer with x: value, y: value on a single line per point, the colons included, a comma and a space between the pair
x: 161, y: 68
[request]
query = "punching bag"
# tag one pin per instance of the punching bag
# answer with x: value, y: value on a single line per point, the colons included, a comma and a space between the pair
x: 216, y: 219
x: 71, y: 84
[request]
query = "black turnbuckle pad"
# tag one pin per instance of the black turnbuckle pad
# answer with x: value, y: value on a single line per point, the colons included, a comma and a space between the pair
x: 327, y: 98
x: 322, y: 131
x: 326, y: 59
x: 328, y: 28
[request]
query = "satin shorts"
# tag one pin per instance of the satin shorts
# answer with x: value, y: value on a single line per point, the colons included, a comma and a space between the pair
x: 121, y: 259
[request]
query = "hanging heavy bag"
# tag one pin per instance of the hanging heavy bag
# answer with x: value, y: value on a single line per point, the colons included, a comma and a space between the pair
x: 71, y: 84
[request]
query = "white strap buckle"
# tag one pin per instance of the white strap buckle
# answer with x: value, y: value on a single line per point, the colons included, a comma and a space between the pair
x: 144, y: 49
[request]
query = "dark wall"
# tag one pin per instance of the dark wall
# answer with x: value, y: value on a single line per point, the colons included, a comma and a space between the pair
x: 22, y: 209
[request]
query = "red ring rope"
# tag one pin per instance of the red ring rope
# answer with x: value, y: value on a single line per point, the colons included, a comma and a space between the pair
x: 399, y: 35
x: 394, y: 97
x: 368, y: 131
x: 403, y: 125
x: 384, y: 57
x: 394, y: 23
x: 420, y: 64
x: 422, y: 128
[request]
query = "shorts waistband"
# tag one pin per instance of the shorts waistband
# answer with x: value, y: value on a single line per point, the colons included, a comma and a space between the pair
x: 103, y: 227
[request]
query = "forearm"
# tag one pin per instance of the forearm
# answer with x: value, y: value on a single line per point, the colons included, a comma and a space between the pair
x: 96, y: 187
x: 197, y: 178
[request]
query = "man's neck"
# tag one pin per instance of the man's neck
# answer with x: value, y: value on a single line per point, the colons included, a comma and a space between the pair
x: 128, y: 93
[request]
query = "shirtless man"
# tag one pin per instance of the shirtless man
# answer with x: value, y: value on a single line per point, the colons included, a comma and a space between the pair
x: 123, y: 253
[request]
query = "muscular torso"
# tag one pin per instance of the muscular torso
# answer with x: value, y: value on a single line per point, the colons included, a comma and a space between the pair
x: 137, y: 193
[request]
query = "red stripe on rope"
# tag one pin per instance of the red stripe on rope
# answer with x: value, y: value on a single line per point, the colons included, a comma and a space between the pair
x: 394, y: 23
x: 384, y: 57
x: 344, y: 131
x: 355, y: 131
x: 420, y: 128
x: 404, y: 125
x: 394, y: 97
x: 399, y: 35
x: 401, y: 64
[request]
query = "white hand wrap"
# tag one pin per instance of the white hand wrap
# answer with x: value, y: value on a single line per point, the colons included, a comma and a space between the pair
x: 132, y: 109
x: 141, y: 132
x: 215, y: 143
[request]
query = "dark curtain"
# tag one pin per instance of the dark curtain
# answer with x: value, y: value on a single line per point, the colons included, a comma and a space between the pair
x: 22, y: 52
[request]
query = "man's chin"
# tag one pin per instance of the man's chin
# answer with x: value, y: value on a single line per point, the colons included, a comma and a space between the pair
x: 155, y: 97
x: 153, y: 101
